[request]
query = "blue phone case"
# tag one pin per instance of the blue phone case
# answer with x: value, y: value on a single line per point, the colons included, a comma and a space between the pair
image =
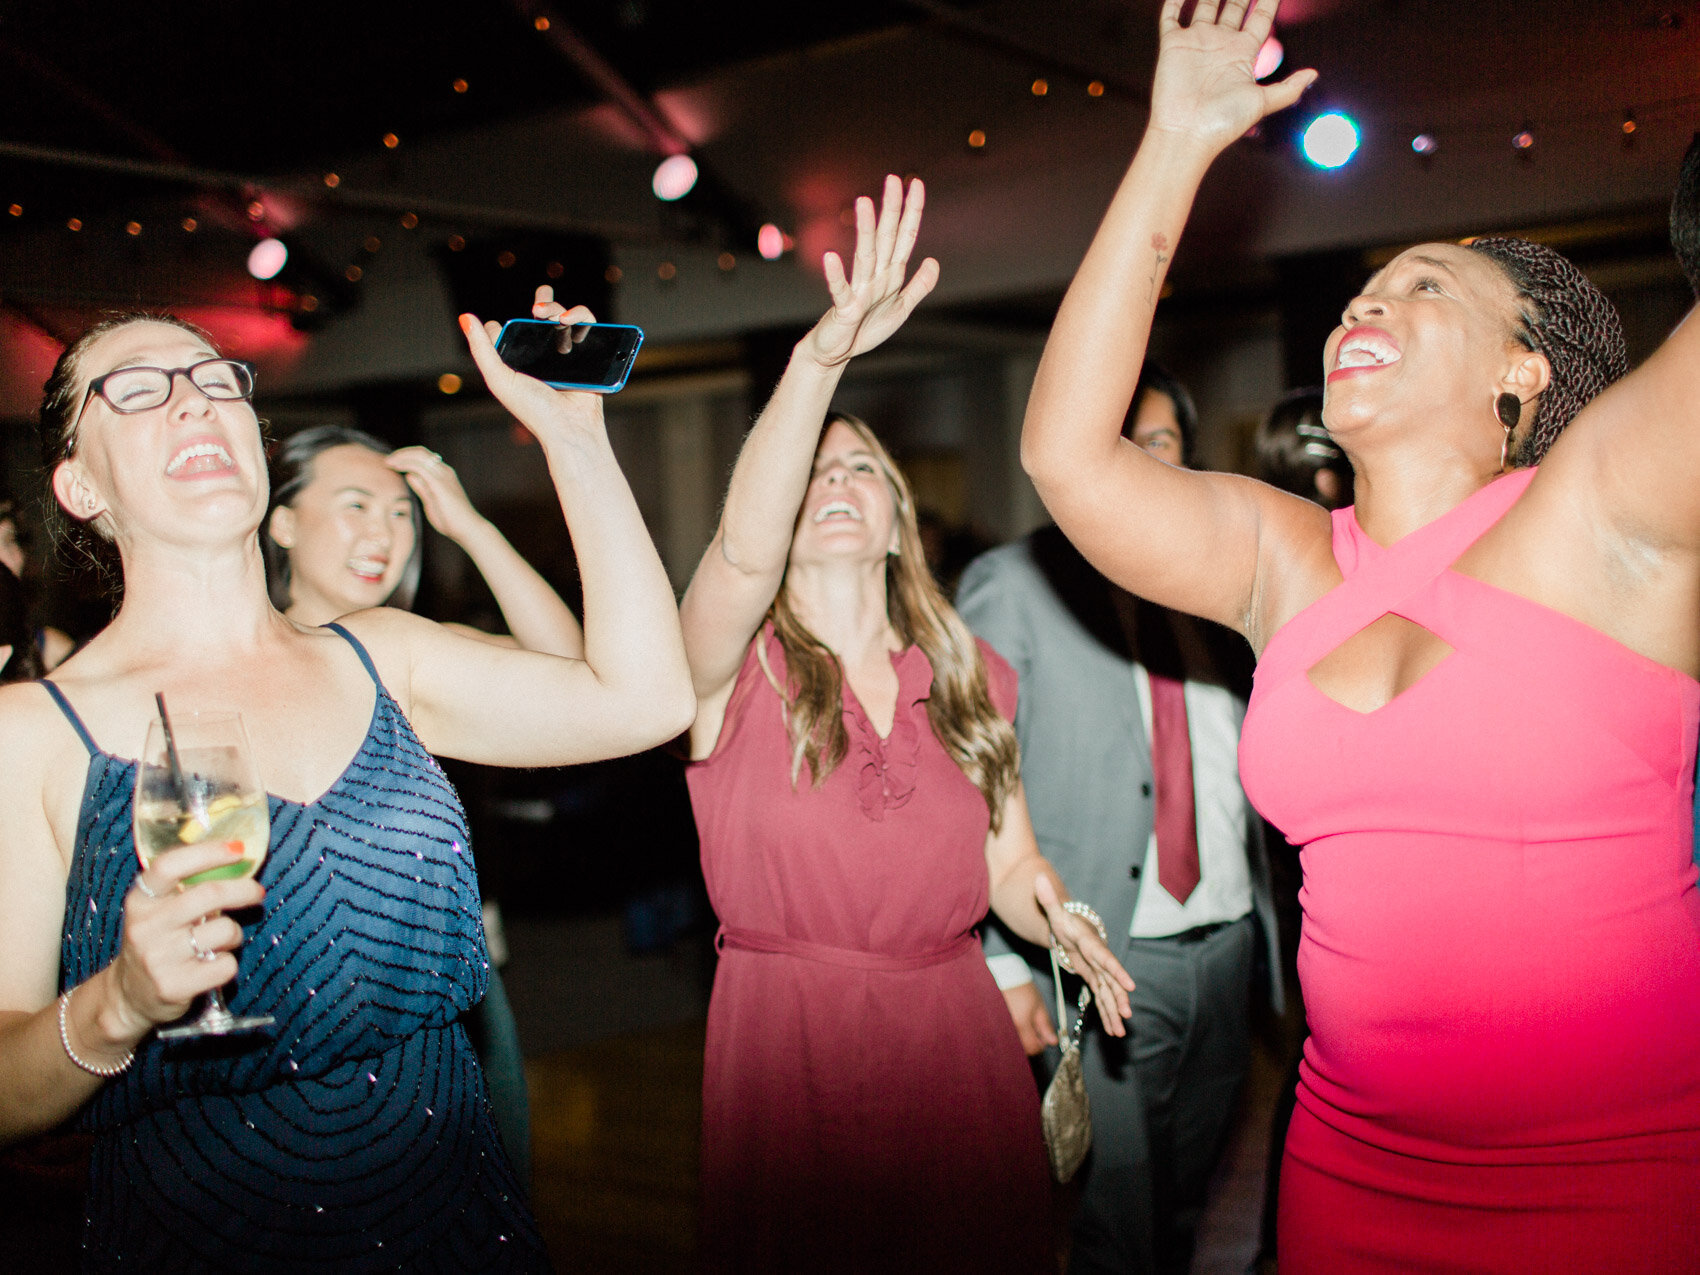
x: 604, y: 373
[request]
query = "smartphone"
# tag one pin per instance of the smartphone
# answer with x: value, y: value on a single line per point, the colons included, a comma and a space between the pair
x: 578, y: 356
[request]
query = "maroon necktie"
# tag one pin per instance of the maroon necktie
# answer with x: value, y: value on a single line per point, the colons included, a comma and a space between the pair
x: 1171, y: 765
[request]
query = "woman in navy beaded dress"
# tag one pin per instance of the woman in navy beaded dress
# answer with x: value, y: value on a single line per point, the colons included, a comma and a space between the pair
x: 354, y: 1135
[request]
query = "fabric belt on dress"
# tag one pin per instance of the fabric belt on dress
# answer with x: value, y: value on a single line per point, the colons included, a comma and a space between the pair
x: 783, y: 945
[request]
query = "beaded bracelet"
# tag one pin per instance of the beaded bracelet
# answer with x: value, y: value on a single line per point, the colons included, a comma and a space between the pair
x: 105, y: 1073
x: 1085, y: 913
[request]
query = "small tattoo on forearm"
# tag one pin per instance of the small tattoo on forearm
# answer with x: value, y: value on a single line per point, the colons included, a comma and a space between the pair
x: 1159, y: 245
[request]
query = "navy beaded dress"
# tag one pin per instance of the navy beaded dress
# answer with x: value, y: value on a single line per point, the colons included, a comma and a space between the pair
x: 354, y: 1134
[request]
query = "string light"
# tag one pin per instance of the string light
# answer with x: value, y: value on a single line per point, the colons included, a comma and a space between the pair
x: 613, y: 274
x: 449, y: 383
x: 726, y: 261
x: 133, y: 229
x: 1424, y: 144
x: 74, y: 225
x: 391, y: 141
x: 17, y: 210
x: 353, y: 274
x: 554, y: 270
x: 190, y: 225
x: 666, y: 272
x: 1095, y: 89
x: 542, y: 24
x: 332, y: 180
x: 409, y: 221
x: 1040, y: 88
x: 460, y: 86
x: 505, y: 259
x: 977, y: 139
x: 457, y: 243
x: 1523, y: 140
x: 372, y: 243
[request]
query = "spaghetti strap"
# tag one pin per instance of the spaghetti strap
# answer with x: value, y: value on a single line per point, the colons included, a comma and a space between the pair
x: 358, y: 650
x: 71, y: 716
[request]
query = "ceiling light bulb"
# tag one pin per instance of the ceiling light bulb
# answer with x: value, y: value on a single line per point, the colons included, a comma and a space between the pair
x: 1331, y: 140
x: 674, y: 178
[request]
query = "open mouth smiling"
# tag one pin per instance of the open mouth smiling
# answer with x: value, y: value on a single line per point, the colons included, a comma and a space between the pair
x: 199, y: 458
x: 838, y: 509
x: 1363, y: 349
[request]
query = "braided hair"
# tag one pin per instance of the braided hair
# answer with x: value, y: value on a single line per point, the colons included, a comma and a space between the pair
x: 1565, y: 317
x: 1685, y: 215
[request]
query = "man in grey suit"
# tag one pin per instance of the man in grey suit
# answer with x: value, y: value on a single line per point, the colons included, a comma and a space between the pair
x: 1088, y: 655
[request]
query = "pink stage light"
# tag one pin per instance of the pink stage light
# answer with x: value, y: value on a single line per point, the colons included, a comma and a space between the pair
x: 1268, y: 59
x: 770, y: 242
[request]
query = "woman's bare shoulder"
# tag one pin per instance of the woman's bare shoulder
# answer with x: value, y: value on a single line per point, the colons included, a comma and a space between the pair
x: 42, y: 763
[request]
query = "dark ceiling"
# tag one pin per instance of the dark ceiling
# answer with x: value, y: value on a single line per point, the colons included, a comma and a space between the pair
x: 145, y: 146
x: 269, y: 87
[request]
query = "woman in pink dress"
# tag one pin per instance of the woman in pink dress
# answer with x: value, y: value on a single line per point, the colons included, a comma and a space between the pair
x: 867, y: 1105
x: 1475, y: 709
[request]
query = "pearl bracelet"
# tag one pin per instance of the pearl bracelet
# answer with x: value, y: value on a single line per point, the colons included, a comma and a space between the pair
x: 105, y: 1073
x: 1085, y: 913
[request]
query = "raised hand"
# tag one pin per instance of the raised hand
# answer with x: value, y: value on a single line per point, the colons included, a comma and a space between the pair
x: 545, y: 411
x: 1092, y: 960
x: 438, y: 487
x: 873, y: 302
x: 1204, y: 85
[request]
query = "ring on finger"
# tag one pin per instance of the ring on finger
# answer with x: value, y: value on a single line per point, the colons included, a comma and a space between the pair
x: 201, y: 953
x: 142, y: 885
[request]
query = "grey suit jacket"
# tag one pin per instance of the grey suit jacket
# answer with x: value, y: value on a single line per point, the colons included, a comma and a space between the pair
x: 1085, y: 757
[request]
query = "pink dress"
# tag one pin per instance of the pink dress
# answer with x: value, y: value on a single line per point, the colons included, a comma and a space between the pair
x: 1501, y: 945
x: 866, y: 1102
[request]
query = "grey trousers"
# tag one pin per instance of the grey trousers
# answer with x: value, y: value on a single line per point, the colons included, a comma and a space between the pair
x: 1162, y: 1098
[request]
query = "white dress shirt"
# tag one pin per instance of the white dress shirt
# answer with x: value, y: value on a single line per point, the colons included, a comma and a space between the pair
x: 1213, y: 718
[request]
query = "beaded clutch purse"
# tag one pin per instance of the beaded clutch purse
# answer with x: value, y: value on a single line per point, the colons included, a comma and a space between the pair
x: 1065, y: 1114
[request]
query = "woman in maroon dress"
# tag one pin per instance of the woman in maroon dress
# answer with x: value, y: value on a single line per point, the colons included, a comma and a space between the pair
x: 866, y: 1102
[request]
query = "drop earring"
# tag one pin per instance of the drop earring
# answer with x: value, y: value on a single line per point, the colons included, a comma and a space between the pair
x: 1509, y: 408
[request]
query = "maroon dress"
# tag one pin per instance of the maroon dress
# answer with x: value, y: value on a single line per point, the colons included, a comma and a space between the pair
x: 866, y: 1102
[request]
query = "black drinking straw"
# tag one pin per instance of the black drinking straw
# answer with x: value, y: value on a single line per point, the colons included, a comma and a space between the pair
x: 171, y: 751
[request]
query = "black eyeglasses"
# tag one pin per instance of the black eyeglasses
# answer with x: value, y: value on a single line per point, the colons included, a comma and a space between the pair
x: 137, y: 389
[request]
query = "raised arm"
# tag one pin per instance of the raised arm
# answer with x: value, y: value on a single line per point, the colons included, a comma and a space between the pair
x: 1621, y: 482
x: 630, y: 691
x: 536, y: 617
x: 740, y: 573
x: 1185, y: 539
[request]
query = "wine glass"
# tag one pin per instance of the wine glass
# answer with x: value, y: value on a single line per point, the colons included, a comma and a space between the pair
x: 197, y: 782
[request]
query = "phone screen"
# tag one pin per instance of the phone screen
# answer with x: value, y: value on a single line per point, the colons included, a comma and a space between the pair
x: 584, y: 356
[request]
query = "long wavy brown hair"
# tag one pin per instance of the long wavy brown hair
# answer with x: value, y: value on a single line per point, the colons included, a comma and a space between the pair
x: 976, y: 736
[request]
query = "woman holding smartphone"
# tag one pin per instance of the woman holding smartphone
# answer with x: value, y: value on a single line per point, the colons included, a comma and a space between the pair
x: 354, y: 1135
x: 866, y: 1101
